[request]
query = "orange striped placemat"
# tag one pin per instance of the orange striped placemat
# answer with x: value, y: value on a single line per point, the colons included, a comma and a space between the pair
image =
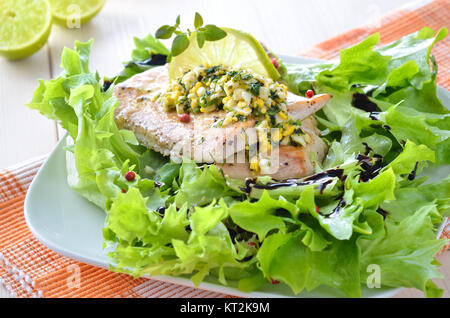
x: 29, y: 269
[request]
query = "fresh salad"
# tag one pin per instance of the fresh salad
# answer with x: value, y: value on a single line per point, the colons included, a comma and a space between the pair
x: 365, y: 203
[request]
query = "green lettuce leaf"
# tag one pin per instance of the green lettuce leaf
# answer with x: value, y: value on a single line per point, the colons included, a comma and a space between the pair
x: 201, y: 186
x: 260, y: 217
x: 284, y: 257
x: 77, y: 101
x: 405, y: 254
x: 145, y: 49
x: 396, y: 79
x: 188, y: 219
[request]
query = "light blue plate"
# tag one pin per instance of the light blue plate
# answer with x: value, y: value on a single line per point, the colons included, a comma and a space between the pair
x: 72, y: 226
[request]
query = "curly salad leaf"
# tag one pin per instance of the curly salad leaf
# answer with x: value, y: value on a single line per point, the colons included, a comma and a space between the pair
x: 390, y: 90
x: 365, y: 205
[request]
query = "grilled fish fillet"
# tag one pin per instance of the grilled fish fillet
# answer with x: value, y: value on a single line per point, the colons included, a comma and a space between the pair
x: 162, y: 131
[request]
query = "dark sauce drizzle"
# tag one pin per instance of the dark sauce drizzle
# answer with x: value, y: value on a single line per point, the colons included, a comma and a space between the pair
x: 153, y: 60
x: 371, y: 166
x: 107, y: 84
x: 337, y: 210
x: 374, y: 115
x: 322, y: 178
x: 368, y: 149
x: 362, y: 101
x: 383, y: 212
x: 371, y: 170
x: 412, y: 175
x: 161, y: 210
x: 322, y: 186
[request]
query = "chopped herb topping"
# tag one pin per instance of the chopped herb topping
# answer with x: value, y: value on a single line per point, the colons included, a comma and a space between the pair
x: 241, y: 94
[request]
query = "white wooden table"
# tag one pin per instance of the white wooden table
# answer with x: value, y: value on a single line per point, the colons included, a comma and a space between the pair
x: 285, y: 26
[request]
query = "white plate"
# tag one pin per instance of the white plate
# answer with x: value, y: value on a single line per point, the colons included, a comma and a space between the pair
x: 71, y: 226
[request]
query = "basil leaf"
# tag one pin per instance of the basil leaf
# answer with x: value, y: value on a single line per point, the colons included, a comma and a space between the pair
x: 198, y: 22
x: 177, y: 22
x: 164, y: 32
x: 213, y: 33
x: 180, y: 44
x: 200, y: 39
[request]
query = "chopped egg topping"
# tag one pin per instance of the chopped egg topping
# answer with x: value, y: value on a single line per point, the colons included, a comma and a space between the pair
x: 243, y: 95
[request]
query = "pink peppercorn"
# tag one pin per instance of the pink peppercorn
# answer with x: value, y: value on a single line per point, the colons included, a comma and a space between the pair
x: 309, y: 93
x: 130, y: 176
x: 274, y: 281
x: 184, y: 118
x: 275, y: 63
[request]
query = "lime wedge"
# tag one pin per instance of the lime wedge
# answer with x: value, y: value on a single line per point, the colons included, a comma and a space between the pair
x: 24, y: 27
x: 238, y: 49
x: 84, y: 10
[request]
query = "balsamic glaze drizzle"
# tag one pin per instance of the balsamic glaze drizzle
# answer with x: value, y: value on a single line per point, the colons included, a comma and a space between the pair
x: 363, y: 102
x: 368, y: 149
x: 106, y: 85
x: 161, y: 210
x: 371, y: 166
x: 158, y: 184
x: 374, y: 115
x: 336, y: 210
x: 153, y: 60
x: 384, y: 213
x: 412, y: 175
x: 322, y: 178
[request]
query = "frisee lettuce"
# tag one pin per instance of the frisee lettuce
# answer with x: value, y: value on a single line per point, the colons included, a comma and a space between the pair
x: 396, y: 78
x: 188, y: 219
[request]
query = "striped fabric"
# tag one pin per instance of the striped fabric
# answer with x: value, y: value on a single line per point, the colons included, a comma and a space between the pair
x: 29, y: 269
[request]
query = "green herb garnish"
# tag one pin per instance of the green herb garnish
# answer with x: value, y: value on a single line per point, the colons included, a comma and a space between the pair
x: 180, y: 43
x: 254, y: 88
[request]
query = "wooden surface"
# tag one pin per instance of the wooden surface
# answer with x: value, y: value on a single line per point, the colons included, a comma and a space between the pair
x: 286, y: 26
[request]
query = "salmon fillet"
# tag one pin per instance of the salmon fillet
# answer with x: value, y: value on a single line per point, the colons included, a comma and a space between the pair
x: 162, y: 131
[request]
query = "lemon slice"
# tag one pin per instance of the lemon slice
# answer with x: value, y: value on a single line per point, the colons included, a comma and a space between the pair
x: 238, y: 49
x: 24, y: 27
x: 66, y: 10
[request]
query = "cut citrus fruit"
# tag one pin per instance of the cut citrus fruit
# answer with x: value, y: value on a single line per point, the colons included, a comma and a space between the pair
x: 238, y: 49
x: 24, y: 28
x: 64, y: 11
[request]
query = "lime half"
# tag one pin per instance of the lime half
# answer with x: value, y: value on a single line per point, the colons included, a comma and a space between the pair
x: 65, y: 11
x: 24, y: 27
x: 238, y: 49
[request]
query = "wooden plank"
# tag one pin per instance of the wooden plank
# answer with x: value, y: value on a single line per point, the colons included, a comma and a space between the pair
x: 24, y: 133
